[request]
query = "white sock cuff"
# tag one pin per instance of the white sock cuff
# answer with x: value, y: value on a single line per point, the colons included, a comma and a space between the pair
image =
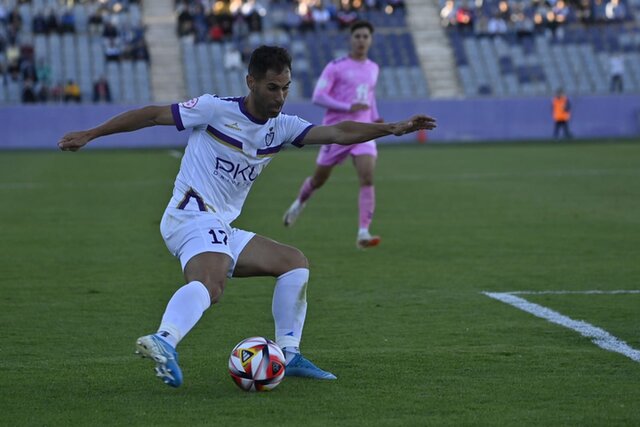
x: 203, y: 293
x: 301, y: 274
x: 287, y: 341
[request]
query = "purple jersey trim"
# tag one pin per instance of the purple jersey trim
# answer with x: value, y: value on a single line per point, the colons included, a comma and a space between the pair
x: 270, y: 150
x: 187, y: 197
x: 248, y: 114
x: 298, y: 141
x: 224, y: 137
x: 175, y: 111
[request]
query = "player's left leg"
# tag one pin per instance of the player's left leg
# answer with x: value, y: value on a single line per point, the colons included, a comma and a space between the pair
x: 265, y: 257
x: 365, y: 166
x: 329, y: 156
x: 309, y: 186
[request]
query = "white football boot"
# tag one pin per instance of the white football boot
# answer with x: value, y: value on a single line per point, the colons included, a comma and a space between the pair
x: 366, y: 240
x: 292, y: 213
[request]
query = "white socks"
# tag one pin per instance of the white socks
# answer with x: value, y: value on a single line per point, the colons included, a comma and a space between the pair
x: 289, y: 308
x: 183, y: 312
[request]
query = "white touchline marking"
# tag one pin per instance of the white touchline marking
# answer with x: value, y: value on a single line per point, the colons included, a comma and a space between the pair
x: 600, y: 337
x: 574, y: 292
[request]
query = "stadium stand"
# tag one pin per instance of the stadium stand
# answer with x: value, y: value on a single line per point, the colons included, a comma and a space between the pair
x: 53, y: 51
x: 490, y: 48
x: 315, y: 33
x: 520, y: 49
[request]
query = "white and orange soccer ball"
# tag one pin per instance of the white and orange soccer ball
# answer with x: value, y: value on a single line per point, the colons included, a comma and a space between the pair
x: 257, y: 364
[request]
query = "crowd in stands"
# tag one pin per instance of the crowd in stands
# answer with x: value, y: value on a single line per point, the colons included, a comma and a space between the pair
x: 528, y: 17
x: 21, y: 64
x: 223, y: 20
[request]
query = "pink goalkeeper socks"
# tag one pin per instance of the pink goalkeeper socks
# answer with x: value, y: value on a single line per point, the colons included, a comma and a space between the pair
x: 366, y: 204
x: 306, y: 190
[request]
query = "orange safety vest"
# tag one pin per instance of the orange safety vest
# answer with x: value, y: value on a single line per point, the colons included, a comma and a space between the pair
x: 560, y: 111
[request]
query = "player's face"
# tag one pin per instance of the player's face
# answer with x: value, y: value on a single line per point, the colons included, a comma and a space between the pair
x: 361, y: 42
x: 270, y: 92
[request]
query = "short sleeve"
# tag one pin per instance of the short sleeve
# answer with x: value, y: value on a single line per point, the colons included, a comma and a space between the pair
x: 294, y: 129
x: 194, y: 112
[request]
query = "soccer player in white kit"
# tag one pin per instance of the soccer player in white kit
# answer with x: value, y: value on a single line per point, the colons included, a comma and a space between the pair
x: 231, y: 142
x: 346, y: 88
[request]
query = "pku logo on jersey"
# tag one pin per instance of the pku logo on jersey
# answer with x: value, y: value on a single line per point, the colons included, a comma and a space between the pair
x: 236, y: 171
x: 268, y: 138
x: 190, y: 103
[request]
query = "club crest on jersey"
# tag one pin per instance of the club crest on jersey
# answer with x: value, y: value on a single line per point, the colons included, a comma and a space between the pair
x: 190, y: 103
x: 268, y: 138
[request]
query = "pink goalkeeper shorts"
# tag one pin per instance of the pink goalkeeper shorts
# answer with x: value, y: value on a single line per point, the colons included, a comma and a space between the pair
x: 334, y: 154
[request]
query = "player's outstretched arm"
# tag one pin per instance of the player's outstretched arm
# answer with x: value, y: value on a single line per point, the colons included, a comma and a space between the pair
x: 128, y: 121
x: 346, y: 133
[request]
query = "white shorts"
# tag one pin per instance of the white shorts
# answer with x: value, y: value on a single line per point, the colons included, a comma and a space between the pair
x: 188, y: 233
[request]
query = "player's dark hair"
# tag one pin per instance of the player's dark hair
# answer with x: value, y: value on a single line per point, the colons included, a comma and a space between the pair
x: 266, y: 58
x: 361, y: 24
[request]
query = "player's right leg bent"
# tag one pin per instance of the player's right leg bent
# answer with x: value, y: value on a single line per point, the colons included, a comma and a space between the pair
x: 165, y: 357
x: 203, y: 244
x: 328, y: 157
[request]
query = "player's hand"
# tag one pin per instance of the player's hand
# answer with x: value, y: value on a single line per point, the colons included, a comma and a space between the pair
x: 414, y: 124
x: 73, y: 141
x: 358, y: 107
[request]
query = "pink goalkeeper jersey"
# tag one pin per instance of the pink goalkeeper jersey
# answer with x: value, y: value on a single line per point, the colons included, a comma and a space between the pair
x: 345, y: 82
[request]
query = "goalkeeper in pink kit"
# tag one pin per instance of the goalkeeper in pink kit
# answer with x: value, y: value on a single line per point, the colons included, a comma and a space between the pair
x: 346, y: 88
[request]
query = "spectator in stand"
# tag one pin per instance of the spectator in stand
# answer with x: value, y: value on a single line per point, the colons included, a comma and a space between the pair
x: 562, y: 12
x: 185, y: 21
x: 43, y: 71
x: 346, y: 15
x: 139, y: 51
x: 68, y: 21
x: 616, y: 72
x: 4, y: 16
x: 96, y: 20
x: 216, y: 33
x: 72, y: 92
x: 52, y: 25
x: 56, y: 93
x: 109, y: 29
x: 223, y: 18
x: 522, y: 22
x: 28, y: 92
x: 464, y: 17
x: 13, y: 56
x: 321, y: 16
x: 43, y: 92
x: 615, y: 11
x: 200, y: 27
x: 252, y: 12
x: 112, y: 49
x: 38, y: 23
x: 306, y: 17
x: 101, y: 90
x: 28, y: 69
x: 496, y: 25
x: 504, y: 11
x: 448, y: 14
x: 15, y: 20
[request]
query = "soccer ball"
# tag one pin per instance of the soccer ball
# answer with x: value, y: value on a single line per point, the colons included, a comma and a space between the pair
x: 257, y: 364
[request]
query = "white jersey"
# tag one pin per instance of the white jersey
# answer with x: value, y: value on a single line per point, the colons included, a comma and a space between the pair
x: 227, y: 150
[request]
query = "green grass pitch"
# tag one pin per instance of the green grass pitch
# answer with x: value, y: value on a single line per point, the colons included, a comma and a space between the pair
x: 404, y: 326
